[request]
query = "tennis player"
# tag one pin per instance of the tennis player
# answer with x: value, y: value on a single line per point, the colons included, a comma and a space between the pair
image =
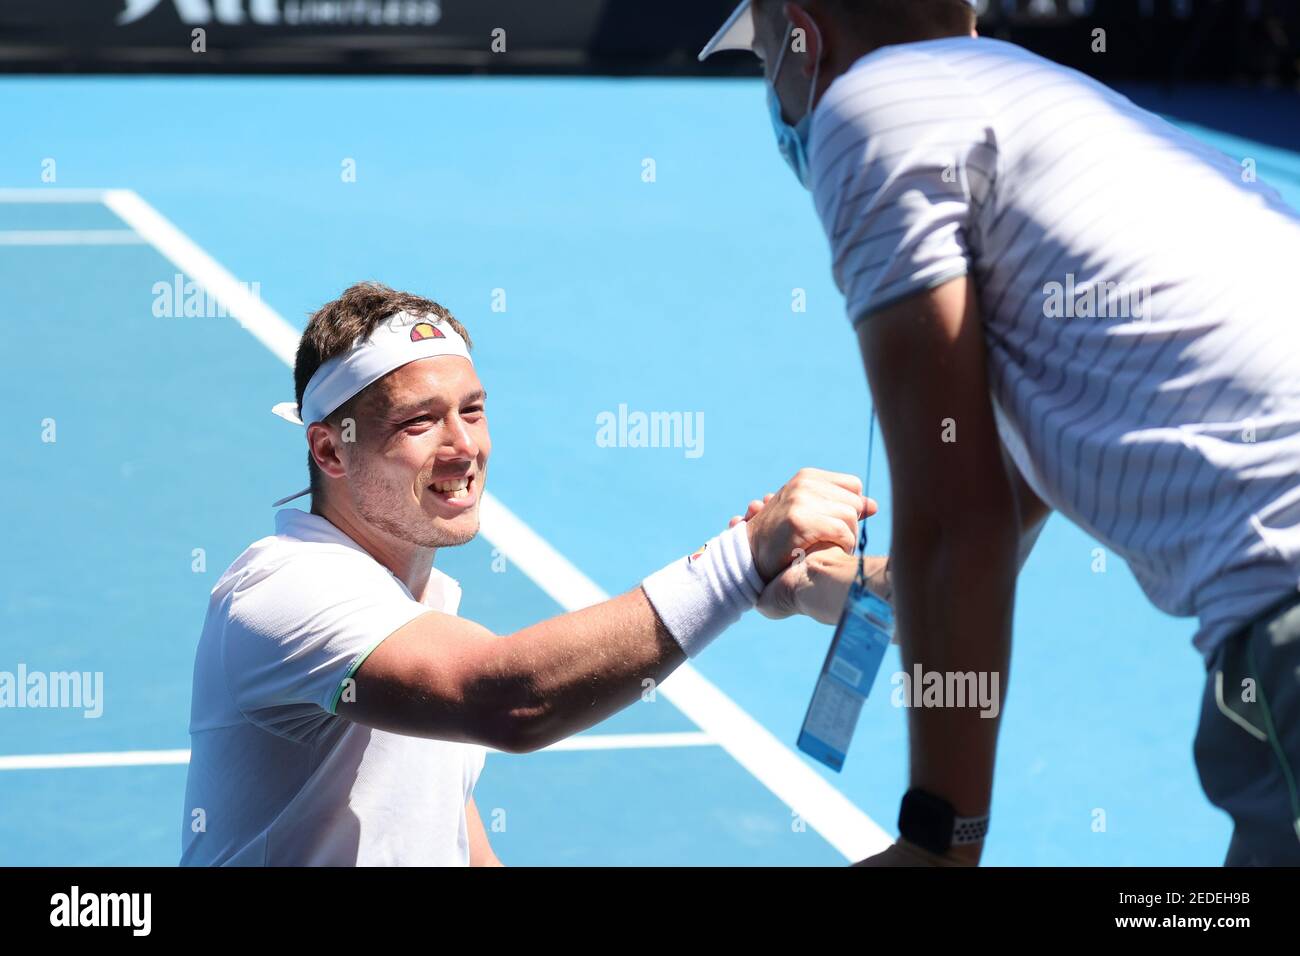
x: 1062, y: 303
x: 340, y: 707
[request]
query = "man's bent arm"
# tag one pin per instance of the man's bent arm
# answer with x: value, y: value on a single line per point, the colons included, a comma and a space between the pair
x: 443, y: 677
x: 956, y: 535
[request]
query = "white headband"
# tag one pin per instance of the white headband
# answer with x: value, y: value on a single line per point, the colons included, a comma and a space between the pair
x: 399, y: 340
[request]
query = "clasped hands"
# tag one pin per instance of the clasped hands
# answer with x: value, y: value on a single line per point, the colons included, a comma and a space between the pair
x: 803, y: 538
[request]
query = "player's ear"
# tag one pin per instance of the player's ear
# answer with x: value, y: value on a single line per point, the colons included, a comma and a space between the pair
x: 808, y: 38
x: 324, y: 446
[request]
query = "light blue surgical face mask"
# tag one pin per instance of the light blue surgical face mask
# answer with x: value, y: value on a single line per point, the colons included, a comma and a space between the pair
x: 792, y: 141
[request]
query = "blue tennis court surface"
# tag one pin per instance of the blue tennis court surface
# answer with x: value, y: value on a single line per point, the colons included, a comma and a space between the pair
x: 647, y: 245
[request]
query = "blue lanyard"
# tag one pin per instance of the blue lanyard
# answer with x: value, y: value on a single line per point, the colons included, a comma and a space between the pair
x: 860, y: 579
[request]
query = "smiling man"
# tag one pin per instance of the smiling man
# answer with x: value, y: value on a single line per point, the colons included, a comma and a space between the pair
x: 1062, y: 302
x: 340, y: 707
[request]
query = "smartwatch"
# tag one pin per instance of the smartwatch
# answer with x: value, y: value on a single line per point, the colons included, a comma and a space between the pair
x: 932, y: 824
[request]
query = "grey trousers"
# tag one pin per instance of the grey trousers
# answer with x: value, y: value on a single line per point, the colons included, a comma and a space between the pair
x: 1248, y: 743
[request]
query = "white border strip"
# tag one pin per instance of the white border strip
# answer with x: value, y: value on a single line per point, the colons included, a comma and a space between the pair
x: 840, y: 822
x: 684, y: 738
x: 53, y: 194
x: 167, y: 758
x: 121, y: 758
x: 70, y: 237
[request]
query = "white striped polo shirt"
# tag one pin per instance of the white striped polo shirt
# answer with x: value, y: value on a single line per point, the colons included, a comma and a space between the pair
x: 1138, y: 294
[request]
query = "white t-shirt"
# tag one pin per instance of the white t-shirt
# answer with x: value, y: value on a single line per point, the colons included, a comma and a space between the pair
x: 1138, y: 291
x: 276, y: 778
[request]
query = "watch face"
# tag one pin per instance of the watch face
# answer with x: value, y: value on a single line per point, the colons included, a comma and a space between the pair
x: 927, y: 821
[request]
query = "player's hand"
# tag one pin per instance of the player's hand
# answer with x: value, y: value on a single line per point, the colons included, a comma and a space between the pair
x: 755, y: 507
x: 814, y: 508
x: 817, y: 585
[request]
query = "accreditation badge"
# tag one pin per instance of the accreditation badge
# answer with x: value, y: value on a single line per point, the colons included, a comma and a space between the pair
x: 857, y: 650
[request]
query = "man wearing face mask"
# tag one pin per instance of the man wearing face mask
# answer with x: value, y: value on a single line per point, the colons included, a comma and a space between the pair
x: 1062, y: 302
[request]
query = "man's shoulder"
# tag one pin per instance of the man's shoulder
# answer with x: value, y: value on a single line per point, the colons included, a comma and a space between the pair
x: 907, y: 85
x: 278, y: 576
x: 909, y: 72
x: 275, y: 553
x: 925, y: 54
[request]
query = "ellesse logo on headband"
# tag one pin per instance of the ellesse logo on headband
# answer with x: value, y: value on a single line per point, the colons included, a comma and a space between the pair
x: 425, y: 330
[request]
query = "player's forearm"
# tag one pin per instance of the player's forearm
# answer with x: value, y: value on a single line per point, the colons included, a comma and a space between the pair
x: 553, y: 679
x: 953, y: 597
x: 829, y: 573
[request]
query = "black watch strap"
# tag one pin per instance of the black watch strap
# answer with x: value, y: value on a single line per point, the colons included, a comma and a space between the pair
x: 932, y: 824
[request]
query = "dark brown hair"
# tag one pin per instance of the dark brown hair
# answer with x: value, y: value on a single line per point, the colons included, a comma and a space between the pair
x: 336, y: 326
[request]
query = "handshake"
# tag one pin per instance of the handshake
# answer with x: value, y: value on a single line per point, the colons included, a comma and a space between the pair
x: 803, y: 537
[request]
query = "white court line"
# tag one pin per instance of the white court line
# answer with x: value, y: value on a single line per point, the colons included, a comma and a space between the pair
x: 245, y: 308
x: 70, y: 237
x: 685, y: 738
x: 53, y: 194
x: 121, y: 758
x: 167, y: 758
x: 840, y: 822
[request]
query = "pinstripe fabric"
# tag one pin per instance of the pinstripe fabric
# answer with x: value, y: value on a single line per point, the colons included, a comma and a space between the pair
x: 1136, y: 291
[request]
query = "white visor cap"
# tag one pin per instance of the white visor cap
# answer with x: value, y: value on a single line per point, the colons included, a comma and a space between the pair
x: 737, y: 33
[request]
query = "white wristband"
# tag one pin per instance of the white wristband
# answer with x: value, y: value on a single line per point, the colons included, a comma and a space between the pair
x: 699, y: 597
